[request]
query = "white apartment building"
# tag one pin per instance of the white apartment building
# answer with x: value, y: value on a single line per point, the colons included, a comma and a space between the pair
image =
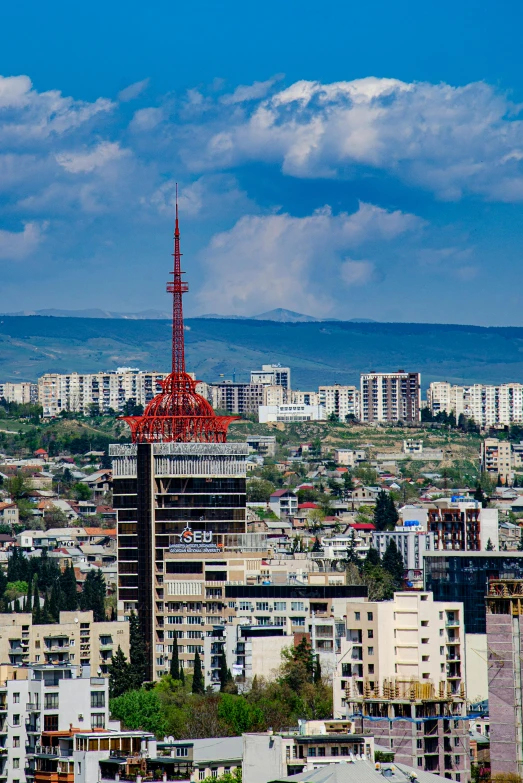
x: 36, y: 700
x: 390, y: 397
x: 488, y: 405
x: 272, y: 375
x: 412, y: 543
x: 78, y: 392
x: 342, y: 401
x: 19, y: 392
x: 411, y: 637
x: 288, y: 413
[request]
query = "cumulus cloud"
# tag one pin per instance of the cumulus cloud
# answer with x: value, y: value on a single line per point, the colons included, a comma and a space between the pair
x: 298, y: 263
x: 133, y: 91
x: 83, y: 162
x: 451, y: 140
x: 18, y: 245
x: 250, y: 92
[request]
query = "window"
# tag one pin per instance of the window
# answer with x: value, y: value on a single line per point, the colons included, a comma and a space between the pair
x: 16, y: 698
x: 441, y: 631
x: 424, y: 657
x: 370, y: 617
x: 16, y: 742
x: 298, y: 620
x: 16, y: 720
x: 370, y: 650
x: 344, y: 751
x: 357, y: 616
x: 231, y: 604
x: 244, y: 607
x: 370, y: 634
x: 311, y: 752
x: 201, y: 774
x: 456, y: 741
x: 456, y: 759
x: 194, y: 620
x: 424, y: 641
x: 280, y: 606
x: 262, y: 606
x: 16, y: 763
x: 182, y: 751
x: 51, y: 701
x: 97, y: 720
x: 442, y: 651
x: 335, y: 751
x: 214, y: 772
x: 424, y: 623
x: 346, y: 670
x: 419, y: 744
x: 297, y: 606
x: 321, y: 751
x: 371, y: 668
x: 420, y: 762
x: 79, y: 767
x: 50, y: 722
x: 97, y: 699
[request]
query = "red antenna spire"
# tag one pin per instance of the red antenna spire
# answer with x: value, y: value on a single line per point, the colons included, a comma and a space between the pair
x: 177, y: 287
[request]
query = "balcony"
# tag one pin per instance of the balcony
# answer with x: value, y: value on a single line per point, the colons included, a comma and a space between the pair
x: 53, y: 751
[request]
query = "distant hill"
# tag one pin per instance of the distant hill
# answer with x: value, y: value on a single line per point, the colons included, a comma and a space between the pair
x: 317, y: 352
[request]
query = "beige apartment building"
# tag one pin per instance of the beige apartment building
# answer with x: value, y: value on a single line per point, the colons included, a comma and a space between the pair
x: 393, y: 396
x: 488, y: 405
x: 342, y: 401
x: 19, y: 392
x: 498, y: 459
x: 78, y: 392
x: 75, y: 639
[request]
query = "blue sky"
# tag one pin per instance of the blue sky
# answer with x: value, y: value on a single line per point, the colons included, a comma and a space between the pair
x: 344, y: 160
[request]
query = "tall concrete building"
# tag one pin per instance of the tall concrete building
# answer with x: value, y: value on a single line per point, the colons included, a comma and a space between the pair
x: 181, y: 514
x: 342, y: 401
x: 240, y: 398
x: 106, y: 391
x: 486, y: 404
x: 19, y: 392
x: 272, y: 375
x: 394, y: 396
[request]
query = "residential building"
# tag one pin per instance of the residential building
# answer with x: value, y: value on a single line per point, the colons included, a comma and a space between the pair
x: 497, y: 459
x: 265, y: 445
x: 104, y: 391
x: 360, y: 769
x: 412, y: 543
x: 319, y: 744
x: 463, y: 525
x: 239, y: 398
x: 487, y: 405
x: 505, y: 683
x: 283, y: 503
x: 8, y: 514
x: 304, y: 398
x: 204, y: 758
x: 290, y: 413
x: 272, y: 375
x: 39, y: 705
x: 349, y: 457
x: 76, y: 639
x: 390, y: 397
x: 21, y: 393
x: 403, y: 680
x: 340, y: 401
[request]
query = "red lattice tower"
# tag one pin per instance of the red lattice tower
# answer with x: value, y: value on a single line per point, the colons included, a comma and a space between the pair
x: 178, y: 413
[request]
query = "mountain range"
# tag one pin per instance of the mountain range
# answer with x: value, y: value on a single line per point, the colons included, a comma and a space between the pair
x: 317, y: 351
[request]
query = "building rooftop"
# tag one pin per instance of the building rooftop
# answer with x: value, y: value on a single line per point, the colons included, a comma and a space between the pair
x: 363, y: 772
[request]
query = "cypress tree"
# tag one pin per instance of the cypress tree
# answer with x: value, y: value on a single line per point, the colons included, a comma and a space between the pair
x: 119, y: 674
x: 372, y: 558
x: 198, y: 684
x: 37, y: 615
x: 68, y: 589
x: 317, y: 670
x: 28, y: 604
x: 138, y: 663
x: 393, y: 563
x: 55, y: 603
x: 93, y: 595
x: 182, y: 675
x: 174, y: 670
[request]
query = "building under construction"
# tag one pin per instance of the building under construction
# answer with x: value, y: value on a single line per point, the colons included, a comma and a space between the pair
x: 504, y: 653
x: 424, y: 726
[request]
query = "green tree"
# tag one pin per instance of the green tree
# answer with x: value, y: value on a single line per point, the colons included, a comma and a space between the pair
x: 69, y: 589
x: 138, y: 663
x: 198, y: 684
x: 55, y: 517
x: 490, y: 546
x: 93, y: 595
x: 37, y: 615
x: 393, y: 563
x: 174, y: 669
x: 259, y: 490
x: 119, y: 674
x: 317, y: 670
x: 140, y: 710
x: 81, y: 491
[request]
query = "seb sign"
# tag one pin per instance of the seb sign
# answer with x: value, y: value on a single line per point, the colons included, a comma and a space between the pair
x: 195, y: 541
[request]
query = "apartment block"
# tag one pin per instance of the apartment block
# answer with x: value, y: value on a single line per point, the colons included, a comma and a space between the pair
x: 38, y: 705
x: 272, y: 375
x: 104, y: 390
x: 298, y: 397
x: 21, y: 393
x: 498, y: 458
x: 463, y: 526
x: 406, y: 661
x: 291, y: 413
x: 412, y: 543
x: 488, y: 405
x: 340, y: 401
x: 390, y: 397
x: 75, y: 639
x: 240, y: 398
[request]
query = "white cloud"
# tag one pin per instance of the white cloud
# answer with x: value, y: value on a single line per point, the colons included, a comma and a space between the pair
x: 18, y: 245
x: 284, y: 261
x: 86, y: 161
x: 133, y: 91
x: 146, y: 119
x: 250, y: 92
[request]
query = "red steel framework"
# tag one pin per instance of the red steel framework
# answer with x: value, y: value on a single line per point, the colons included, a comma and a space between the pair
x: 178, y: 413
